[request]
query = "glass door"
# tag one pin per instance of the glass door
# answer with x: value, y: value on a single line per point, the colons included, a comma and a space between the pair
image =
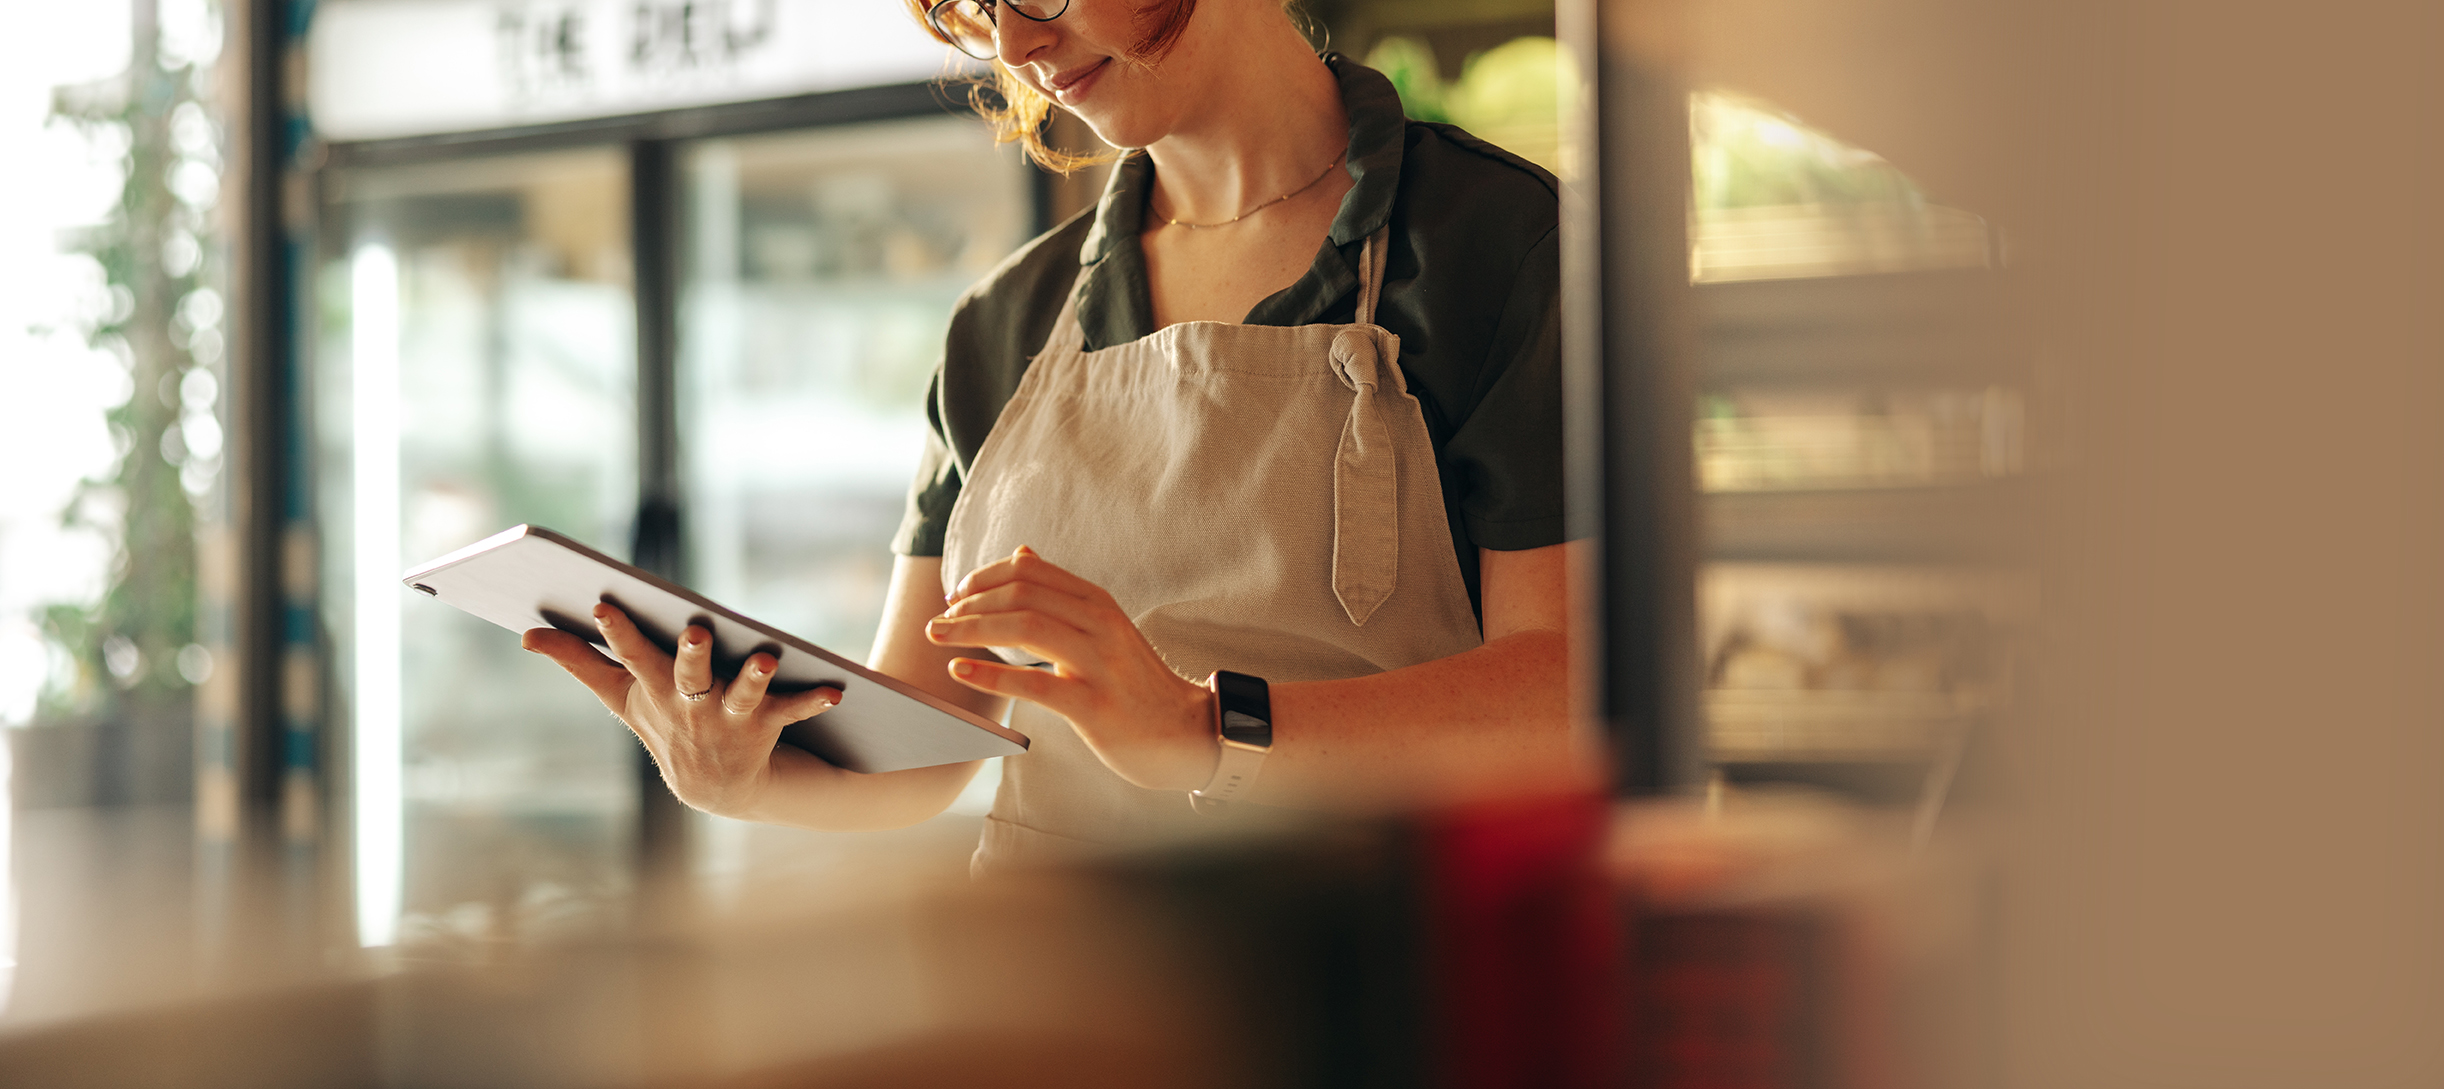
x: 819, y: 272
x: 478, y: 368
x: 478, y: 371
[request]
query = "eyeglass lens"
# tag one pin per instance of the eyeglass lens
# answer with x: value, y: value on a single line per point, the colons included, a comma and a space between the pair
x: 969, y: 23
x: 968, y: 26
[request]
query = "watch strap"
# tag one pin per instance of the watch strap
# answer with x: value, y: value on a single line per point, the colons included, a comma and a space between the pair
x: 1233, y: 773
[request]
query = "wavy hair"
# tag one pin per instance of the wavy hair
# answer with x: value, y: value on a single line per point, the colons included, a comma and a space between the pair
x: 1017, y: 112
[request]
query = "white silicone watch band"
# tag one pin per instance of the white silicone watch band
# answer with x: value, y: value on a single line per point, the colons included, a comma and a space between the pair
x: 1233, y: 774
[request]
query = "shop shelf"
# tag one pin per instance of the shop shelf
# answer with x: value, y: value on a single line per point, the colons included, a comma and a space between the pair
x: 1986, y: 521
x: 1810, y: 725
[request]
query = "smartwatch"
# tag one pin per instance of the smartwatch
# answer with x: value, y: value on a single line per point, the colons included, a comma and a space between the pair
x: 1243, y: 721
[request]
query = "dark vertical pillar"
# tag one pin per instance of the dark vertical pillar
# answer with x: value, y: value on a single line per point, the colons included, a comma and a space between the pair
x: 260, y: 400
x: 654, y: 233
x: 1631, y: 373
x: 303, y: 757
x: 659, y: 539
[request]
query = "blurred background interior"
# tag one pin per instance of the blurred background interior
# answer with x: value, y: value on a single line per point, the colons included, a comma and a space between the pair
x: 294, y: 295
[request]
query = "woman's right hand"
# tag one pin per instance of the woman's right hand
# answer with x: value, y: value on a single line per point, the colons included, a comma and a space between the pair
x: 715, y: 741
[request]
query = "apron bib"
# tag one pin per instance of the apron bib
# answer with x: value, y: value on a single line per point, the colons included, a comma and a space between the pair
x: 1262, y: 499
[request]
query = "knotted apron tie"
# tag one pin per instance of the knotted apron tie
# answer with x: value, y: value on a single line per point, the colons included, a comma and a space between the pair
x: 1366, y: 469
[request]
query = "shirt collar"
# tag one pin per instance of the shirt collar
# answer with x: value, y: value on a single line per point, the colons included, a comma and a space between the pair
x: 1115, y: 303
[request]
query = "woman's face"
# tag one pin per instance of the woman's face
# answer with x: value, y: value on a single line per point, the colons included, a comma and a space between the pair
x: 1081, y: 62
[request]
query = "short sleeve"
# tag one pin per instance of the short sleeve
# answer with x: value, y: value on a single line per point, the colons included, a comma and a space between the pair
x: 934, y: 491
x: 1508, y: 452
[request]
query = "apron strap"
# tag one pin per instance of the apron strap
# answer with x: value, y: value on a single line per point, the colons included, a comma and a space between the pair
x: 1371, y: 260
x: 1066, y: 332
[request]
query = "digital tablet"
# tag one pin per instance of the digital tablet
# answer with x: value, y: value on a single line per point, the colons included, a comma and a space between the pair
x: 530, y: 577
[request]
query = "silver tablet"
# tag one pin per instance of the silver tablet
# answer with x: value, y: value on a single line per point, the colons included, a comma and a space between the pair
x: 530, y: 577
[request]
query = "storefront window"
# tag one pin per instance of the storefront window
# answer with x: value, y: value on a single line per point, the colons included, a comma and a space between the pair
x: 820, y: 272
x: 479, y: 372
x: 821, y: 268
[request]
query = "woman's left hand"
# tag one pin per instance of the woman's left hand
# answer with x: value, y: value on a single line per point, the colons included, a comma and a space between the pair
x: 1148, y: 724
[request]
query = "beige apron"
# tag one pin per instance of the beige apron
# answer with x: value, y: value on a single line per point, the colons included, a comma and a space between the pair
x: 1257, y: 498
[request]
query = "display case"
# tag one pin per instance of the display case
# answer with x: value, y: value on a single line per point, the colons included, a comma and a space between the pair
x: 1862, y: 446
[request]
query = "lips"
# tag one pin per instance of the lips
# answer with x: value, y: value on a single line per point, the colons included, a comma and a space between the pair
x: 1068, y: 87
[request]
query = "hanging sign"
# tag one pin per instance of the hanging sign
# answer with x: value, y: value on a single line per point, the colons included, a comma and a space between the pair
x: 385, y: 68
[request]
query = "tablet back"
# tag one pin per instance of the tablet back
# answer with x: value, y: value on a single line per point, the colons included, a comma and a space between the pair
x: 530, y: 577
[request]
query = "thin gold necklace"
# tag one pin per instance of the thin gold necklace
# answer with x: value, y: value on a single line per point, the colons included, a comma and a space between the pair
x: 1318, y: 179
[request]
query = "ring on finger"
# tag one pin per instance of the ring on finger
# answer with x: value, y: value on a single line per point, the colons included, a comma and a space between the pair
x: 692, y: 697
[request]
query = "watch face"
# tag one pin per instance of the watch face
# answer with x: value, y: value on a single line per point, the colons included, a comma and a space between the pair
x: 1247, y: 709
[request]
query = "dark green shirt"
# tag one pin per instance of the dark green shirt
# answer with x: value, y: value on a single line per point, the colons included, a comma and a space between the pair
x: 1472, y: 288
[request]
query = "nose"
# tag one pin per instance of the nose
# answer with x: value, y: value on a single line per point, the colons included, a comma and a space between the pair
x: 1018, y: 39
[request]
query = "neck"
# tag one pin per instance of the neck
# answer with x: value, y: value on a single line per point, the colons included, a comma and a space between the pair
x: 1268, y: 124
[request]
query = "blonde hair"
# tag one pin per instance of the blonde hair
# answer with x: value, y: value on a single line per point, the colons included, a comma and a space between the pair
x: 1017, y: 112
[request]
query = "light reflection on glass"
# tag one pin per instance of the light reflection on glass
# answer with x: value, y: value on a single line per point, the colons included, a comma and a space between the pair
x: 374, y: 344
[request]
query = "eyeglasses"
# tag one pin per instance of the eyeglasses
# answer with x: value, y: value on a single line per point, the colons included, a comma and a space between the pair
x: 969, y: 24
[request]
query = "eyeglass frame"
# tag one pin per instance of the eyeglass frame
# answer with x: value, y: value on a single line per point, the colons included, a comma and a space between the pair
x: 933, y: 18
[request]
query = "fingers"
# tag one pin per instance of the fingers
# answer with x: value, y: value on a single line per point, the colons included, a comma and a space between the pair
x: 800, y: 706
x: 1028, y: 603
x: 1077, y: 612
x: 1025, y: 565
x: 643, y: 659
x: 692, y: 668
x: 1035, y: 632
x: 608, y: 680
x: 754, y: 677
x: 1039, y: 686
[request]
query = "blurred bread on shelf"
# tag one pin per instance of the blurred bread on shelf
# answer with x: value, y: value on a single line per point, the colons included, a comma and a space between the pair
x: 1855, y: 662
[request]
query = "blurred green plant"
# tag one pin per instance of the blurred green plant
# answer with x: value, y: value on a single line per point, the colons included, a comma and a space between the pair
x: 1508, y: 96
x: 1409, y: 64
x: 1746, y: 154
x: 1510, y: 86
x: 131, y: 649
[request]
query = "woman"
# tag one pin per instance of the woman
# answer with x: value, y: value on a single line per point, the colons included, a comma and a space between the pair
x: 1285, y: 406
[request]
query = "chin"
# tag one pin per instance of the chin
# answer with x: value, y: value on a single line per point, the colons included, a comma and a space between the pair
x: 1128, y: 112
x: 1120, y: 131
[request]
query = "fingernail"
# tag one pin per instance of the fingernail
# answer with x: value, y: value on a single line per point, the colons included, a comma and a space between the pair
x: 963, y: 668
x: 602, y: 612
x: 1023, y: 550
